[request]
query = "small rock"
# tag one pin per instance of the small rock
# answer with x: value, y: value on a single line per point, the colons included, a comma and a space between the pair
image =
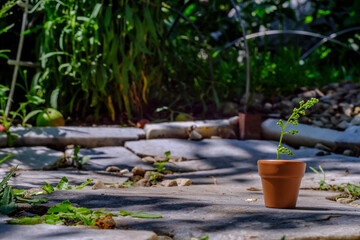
x: 357, y: 110
x: 138, y: 171
x: 317, y: 123
x: 142, y: 183
x: 194, y: 135
x: 347, y: 108
x: 183, y: 182
x: 286, y: 104
x: 348, y: 152
x: 147, y: 175
x: 160, y: 158
x: 324, y: 120
x: 342, y: 125
x: 113, y: 169
x: 344, y: 200
x: 124, y: 171
x: 177, y: 159
x: 319, y: 93
x: 148, y: 159
x: 98, y: 185
x: 169, y: 183
x: 308, y: 94
x: 322, y: 147
x: 334, y: 120
x: 136, y: 178
x: 268, y: 107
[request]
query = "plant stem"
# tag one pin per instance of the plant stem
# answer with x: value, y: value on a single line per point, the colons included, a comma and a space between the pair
x: 282, y: 134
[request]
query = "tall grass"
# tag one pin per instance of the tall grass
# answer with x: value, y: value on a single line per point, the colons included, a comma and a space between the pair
x: 100, y: 54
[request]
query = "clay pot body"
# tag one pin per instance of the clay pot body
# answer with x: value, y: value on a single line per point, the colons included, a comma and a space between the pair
x: 281, y: 181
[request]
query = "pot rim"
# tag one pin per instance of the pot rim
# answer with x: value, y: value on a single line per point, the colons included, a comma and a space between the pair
x: 279, y: 161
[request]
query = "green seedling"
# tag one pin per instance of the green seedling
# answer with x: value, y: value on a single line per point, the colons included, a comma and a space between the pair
x: 293, y: 119
x: 322, y: 182
x: 63, y: 213
x: 64, y: 184
x: 128, y: 184
x: 160, y: 166
x: 66, y: 214
x: 79, y: 162
x: 9, y: 196
x: 350, y: 190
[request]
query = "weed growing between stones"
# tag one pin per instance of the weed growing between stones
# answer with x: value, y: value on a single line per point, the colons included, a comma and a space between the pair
x: 142, y: 178
x: 66, y: 214
x: 9, y: 196
x: 293, y: 119
x: 350, y: 192
x: 77, y: 161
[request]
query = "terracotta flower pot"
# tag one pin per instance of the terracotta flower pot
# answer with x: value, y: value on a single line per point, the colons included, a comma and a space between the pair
x: 281, y: 181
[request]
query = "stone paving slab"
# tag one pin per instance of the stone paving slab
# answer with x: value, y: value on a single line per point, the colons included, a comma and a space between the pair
x: 248, y: 150
x: 30, y: 158
x: 350, y: 138
x: 35, y: 179
x: 308, y: 135
x: 233, y: 177
x: 84, y: 136
x: 103, y: 157
x: 222, y: 212
x: 47, y: 232
x: 225, y: 128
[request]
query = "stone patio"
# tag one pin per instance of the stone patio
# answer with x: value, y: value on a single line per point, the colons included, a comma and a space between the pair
x: 220, y: 203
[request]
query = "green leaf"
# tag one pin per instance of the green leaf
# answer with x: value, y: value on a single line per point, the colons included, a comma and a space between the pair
x: 308, y: 19
x: 26, y: 220
x: 204, y: 238
x: 32, y: 200
x: 88, y: 181
x: 7, y: 202
x: 48, y: 188
x: 19, y: 191
x: 145, y: 215
x: 96, y: 10
x: 63, y: 184
x: 30, y: 115
x: 124, y: 213
x: 52, y: 219
x: 65, y: 206
x: 50, y: 54
x: 54, y: 98
x: 6, y: 179
x: 8, y: 156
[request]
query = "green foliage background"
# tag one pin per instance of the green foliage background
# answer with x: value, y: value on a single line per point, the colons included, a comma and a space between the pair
x: 127, y: 58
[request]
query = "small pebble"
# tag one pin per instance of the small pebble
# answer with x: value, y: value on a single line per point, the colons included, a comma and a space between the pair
x: 113, y: 169
x: 169, y: 183
x: 98, y: 185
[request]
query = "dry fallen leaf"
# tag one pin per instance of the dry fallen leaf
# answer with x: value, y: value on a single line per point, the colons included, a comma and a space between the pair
x: 214, y: 178
x: 253, y: 189
x: 106, y: 222
x: 251, y: 200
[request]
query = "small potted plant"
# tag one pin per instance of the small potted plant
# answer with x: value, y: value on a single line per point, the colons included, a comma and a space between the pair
x: 281, y: 178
